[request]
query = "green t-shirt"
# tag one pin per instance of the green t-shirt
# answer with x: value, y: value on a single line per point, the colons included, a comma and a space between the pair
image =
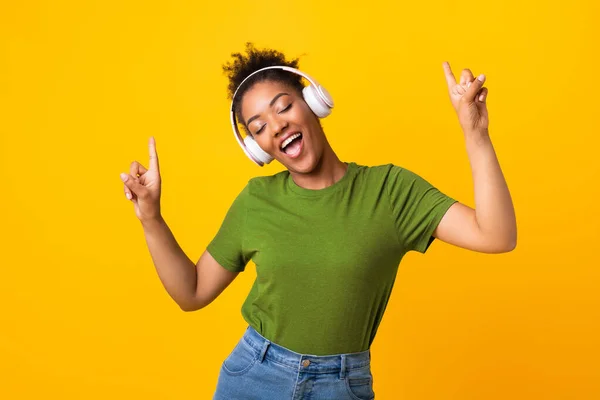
x: 326, y: 260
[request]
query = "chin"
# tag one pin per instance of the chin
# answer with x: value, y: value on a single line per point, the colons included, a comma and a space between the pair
x: 307, y: 166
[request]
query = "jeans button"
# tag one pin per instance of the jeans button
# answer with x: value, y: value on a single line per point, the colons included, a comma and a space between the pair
x: 306, y: 363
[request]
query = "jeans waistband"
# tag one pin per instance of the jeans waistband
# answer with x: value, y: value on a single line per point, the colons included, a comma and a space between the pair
x: 307, y: 362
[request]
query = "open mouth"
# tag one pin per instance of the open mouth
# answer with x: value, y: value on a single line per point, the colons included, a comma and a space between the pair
x: 293, y: 145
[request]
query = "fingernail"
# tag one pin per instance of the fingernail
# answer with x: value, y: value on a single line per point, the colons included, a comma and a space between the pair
x: 480, y: 97
x: 481, y: 77
x: 128, y: 196
x: 469, y: 84
x: 123, y: 176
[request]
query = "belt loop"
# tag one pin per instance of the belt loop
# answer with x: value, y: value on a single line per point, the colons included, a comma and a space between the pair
x: 343, y: 366
x: 266, y: 344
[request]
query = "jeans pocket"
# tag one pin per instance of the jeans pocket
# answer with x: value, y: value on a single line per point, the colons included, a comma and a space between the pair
x: 241, y: 359
x: 359, y: 383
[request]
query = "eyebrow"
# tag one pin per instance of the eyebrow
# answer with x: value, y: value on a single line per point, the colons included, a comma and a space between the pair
x: 270, y: 105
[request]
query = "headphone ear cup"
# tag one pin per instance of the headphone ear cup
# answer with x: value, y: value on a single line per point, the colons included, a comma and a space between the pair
x: 315, y: 102
x: 256, y: 151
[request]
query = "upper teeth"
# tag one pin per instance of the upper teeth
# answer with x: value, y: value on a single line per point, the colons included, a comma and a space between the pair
x: 288, y: 140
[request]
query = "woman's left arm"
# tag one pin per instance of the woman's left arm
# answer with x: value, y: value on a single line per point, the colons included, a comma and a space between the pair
x: 491, y: 227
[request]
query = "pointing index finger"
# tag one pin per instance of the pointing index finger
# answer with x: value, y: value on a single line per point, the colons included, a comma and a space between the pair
x: 153, y: 155
x: 449, y: 75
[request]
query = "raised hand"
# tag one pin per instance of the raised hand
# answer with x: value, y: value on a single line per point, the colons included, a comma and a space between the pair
x: 142, y: 186
x: 468, y: 97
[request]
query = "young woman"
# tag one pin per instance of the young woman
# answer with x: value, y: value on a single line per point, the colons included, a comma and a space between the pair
x: 326, y: 236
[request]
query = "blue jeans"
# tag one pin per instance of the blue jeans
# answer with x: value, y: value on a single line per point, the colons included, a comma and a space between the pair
x: 260, y: 369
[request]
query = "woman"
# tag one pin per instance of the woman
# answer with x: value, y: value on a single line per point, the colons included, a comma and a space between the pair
x: 326, y: 237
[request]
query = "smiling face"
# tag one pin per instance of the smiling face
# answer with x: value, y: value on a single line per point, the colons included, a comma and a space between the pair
x: 273, y: 112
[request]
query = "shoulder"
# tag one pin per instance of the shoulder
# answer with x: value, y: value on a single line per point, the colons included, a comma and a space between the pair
x: 396, y: 180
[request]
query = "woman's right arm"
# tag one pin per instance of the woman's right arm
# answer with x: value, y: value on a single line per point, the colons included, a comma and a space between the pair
x: 191, y: 286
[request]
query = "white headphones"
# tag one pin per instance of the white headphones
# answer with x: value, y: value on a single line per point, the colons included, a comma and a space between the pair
x: 316, y: 96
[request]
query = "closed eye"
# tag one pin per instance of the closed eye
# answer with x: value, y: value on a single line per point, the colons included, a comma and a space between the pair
x: 284, y: 110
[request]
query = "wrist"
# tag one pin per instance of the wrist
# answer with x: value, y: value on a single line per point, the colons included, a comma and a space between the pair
x: 478, y: 136
x: 152, y: 222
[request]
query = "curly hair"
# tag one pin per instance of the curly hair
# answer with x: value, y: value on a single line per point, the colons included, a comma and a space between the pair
x: 243, y: 65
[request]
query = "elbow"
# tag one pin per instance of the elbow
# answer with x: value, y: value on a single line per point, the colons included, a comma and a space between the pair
x: 506, y: 241
x: 190, y: 306
x: 512, y: 242
x: 509, y: 245
x: 499, y: 245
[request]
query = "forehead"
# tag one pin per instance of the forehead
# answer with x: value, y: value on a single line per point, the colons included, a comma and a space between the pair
x: 257, y: 98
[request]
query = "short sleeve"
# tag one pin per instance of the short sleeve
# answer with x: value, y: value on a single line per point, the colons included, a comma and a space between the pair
x: 227, y: 247
x: 417, y: 207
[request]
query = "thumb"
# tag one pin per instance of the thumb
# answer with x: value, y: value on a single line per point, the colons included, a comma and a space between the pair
x: 474, y: 88
x: 133, y: 184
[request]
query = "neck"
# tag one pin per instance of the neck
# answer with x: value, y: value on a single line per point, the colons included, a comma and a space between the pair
x: 328, y: 171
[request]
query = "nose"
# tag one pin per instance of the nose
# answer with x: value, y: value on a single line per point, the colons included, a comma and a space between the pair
x: 278, y: 124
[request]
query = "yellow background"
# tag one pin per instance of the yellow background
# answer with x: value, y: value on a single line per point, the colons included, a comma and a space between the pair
x: 83, y: 85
